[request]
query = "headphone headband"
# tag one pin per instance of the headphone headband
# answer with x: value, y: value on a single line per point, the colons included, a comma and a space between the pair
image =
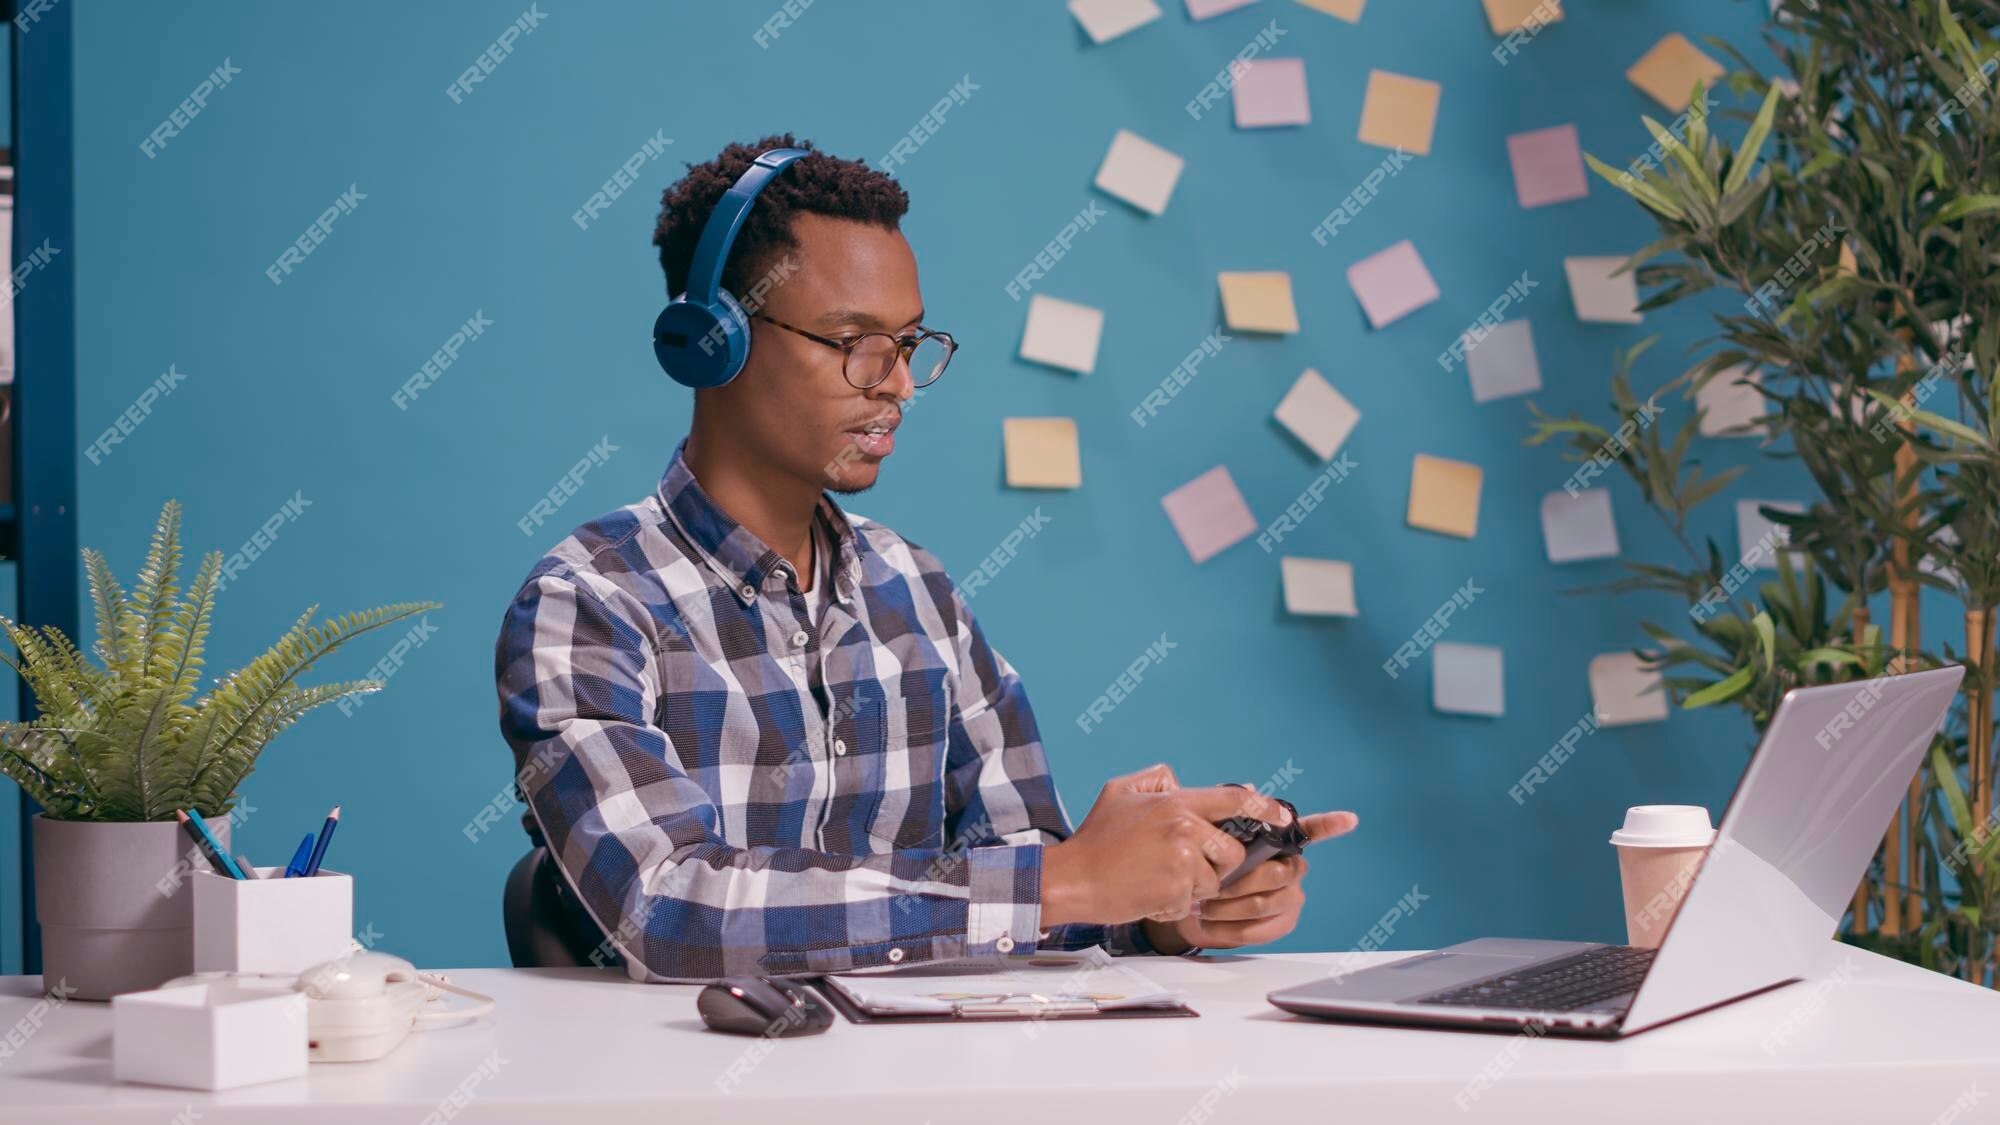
x: 717, y: 235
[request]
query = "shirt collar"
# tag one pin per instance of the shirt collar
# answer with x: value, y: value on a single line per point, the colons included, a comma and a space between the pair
x: 744, y: 561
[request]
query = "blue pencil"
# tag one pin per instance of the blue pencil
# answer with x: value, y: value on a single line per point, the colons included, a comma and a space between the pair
x: 299, y: 858
x: 325, y: 834
x: 209, y: 844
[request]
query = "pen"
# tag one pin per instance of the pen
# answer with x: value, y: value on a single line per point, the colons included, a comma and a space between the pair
x: 299, y: 858
x: 197, y: 830
x: 325, y: 835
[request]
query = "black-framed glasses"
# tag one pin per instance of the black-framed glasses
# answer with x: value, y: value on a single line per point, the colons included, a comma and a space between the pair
x: 868, y: 358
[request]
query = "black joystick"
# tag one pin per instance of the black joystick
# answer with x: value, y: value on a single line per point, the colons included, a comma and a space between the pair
x: 1262, y: 841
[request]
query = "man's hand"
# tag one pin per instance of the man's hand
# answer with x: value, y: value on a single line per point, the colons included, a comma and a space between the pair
x: 1262, y: 906
x: 1147, y: 848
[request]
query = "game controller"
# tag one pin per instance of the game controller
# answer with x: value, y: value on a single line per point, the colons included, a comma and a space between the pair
x: 1262, y: 841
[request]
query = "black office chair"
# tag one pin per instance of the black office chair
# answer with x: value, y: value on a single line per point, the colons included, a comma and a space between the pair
x: 546, y: 927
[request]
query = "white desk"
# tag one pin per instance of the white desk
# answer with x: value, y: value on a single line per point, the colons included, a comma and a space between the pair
x: 1889, y: 1043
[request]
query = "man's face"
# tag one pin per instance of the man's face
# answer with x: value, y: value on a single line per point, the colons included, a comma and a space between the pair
x: 791, y: 408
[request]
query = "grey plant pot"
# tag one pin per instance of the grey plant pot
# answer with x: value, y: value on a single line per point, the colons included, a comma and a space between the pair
x: 114, y: 903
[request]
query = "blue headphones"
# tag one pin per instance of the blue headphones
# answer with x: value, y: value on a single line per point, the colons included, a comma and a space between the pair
x: 702, y: 337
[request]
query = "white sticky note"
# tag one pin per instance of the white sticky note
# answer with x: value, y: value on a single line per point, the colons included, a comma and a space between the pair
x: 1732, y: 403
x: 1759, y: 540
x: 1270, y: 92
x: 1599, y: 297
x: 1209, y: 514
x: 1105, y: 20
x: 1579, y: 527
x: 1062, y: 334
x: 1205, y: 9
x: 1139, y: 172
x: 1321, y: 587
x: 1317, y: 414
x: 1467, y: 679
x: 1502, y: 362
x: 1392, y: 284
x: 1623, y: 689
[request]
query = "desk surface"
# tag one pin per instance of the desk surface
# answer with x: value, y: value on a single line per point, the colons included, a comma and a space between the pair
x: 1868, y: 1039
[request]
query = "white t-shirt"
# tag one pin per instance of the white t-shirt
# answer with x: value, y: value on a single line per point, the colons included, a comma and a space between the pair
x: 816, y: 597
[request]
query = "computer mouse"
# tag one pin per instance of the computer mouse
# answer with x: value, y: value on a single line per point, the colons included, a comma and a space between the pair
x: 762, y: 1006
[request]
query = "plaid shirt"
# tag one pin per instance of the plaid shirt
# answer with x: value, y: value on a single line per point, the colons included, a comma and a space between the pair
x: 732, y: 789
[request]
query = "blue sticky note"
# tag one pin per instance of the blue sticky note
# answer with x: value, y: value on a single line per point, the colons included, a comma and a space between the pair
x: 1466, y: 680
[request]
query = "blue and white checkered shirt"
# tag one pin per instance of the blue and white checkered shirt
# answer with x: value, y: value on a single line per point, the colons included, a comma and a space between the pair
x: 732, y: 789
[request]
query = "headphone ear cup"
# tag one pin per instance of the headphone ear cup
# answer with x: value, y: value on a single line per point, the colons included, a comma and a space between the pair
x: 702, y: 344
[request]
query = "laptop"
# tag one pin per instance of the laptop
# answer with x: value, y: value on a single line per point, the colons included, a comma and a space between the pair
x: 1793, y: 844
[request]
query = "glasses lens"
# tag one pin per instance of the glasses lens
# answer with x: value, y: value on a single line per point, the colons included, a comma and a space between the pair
x: 868, y: 361
x: 927, y: 362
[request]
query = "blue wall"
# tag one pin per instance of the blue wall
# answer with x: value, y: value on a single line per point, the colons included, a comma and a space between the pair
x: 468, y: 208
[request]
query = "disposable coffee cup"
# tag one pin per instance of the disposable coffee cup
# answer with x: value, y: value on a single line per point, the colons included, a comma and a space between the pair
x: 1659, y: 850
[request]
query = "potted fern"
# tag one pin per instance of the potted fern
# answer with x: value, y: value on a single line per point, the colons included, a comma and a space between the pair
x: 121, y: 743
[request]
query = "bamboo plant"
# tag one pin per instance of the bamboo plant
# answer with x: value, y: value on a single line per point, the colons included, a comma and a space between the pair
x: 124, y: 738
x: 1853, y: 227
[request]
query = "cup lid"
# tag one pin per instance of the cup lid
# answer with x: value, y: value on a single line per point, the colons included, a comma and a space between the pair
x: 1665, y: 826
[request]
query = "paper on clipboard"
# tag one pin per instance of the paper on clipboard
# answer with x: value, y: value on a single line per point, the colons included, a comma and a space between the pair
x: 1085, y: 981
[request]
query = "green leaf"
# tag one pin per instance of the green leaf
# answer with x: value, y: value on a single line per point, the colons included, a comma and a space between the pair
x: 1722, y: 691
x: 1767, y: 638
x: 1739, y: 168
x: 1637, y: 188
x: 1966, y: 205
x: 1954, y: 794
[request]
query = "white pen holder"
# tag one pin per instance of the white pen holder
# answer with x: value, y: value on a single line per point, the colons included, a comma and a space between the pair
x: 271, y: 924
x: 210, y: 1036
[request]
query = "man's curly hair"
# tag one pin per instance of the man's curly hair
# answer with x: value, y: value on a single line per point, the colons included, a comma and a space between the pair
x: 818, y: 183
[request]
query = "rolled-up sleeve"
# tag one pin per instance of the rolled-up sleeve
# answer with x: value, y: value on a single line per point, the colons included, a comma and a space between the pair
x: 636, y: 837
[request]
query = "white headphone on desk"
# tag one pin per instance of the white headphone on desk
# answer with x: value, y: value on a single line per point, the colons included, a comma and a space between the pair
x: 363, y: 1005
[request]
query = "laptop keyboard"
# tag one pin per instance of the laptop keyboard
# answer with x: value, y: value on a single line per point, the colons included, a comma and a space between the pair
x: 1566, y: 984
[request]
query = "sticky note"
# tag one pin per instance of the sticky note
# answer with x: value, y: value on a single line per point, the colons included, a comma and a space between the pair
x: 1670, y: 69
x: 1502, y: 362
x: 1548, y: 166
x: 1467, y: 679
x: 1759, y: 540
x: 1317, y: 414
x: 1318, y: 587
x: 1270, y: 92
x: 1579, y: 527
x: 1392, y: 284
x: 1624, y: 689
x: 1399, y: 112
x: 1259, y: 301
x: 1205, y: 9
x: 1511, y: 15
x: 1062, y: 334
x: 1444, y: 496
x: 1042, y: 453
x: 1598, y: 296
x: 1732, y: 403
x: 1139, y: 172
x: 1349, y: 10
x: 1209, y: 514
x: 1105, y: 20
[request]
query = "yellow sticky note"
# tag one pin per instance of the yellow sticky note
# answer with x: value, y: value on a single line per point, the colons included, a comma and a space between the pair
x: 1349, y: 10
x: 1512, y: 15
x: 1399, y: 112
x: 1042, y: 453
x: 1259, y: 301
x: 1847, y: 266
x: 1669, y: 71
x: 1444, y: 496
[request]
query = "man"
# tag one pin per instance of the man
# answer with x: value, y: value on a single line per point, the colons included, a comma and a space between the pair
x: 762, y: 735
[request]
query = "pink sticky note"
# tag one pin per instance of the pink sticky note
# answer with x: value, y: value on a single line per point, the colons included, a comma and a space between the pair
x: 1202, y: 9
x: 1209, y: 514
x: 1270, y: 92
x: 1392, y: 284
x: 1548, y: 166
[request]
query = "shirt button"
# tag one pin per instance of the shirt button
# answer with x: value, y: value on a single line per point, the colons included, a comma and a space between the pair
x: 799, y: 638
x: 747, y: 590
x: 1005, y: 944
x: 779, y: 573
x: 895, y: 955
x: 839, y: 746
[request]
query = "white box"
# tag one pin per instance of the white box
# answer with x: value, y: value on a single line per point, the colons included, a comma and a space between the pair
x: 271, y: 924
x: 211, y: 1036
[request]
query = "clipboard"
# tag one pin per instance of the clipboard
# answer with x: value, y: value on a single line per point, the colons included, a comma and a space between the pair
x: 1046, y: 986
x: 970, y: 1013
